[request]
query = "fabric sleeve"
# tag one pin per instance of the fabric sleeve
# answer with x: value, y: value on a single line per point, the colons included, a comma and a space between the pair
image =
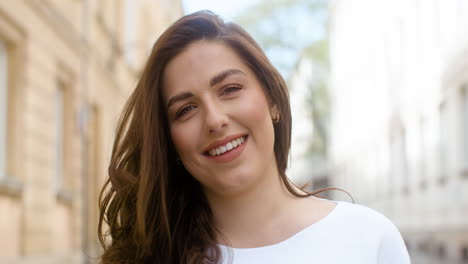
x: 392, y: 248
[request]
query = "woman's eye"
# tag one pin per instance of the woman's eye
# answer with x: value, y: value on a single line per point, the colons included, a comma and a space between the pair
x: 230, y: 89
x: 185, y: 110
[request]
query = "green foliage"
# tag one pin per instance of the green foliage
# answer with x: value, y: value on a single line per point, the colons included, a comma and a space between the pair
x: 318, y: 107
x: 318, y: 52
x: 275, y: 25
x: 318, y: 100
x: 285, y: 27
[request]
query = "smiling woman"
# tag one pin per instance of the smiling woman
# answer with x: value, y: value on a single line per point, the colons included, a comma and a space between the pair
x: 220, y: 104
x: 197, y: 173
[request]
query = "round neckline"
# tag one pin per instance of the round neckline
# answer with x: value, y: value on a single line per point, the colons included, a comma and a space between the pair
x: 312, y: 226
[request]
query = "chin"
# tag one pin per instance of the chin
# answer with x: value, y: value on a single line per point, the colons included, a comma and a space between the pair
x: 232, y: 184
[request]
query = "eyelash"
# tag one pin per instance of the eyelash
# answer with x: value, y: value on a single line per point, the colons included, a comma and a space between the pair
x: 183, y: 111
x: 231, y: 89
x: 228, y: 90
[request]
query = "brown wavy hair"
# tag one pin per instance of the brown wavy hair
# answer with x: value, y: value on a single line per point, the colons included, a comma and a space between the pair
x: 151, y: 209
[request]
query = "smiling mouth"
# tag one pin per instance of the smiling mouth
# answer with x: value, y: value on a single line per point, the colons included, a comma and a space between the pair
x: 226, y: 148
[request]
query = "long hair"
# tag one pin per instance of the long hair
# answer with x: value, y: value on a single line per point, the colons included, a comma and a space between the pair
x: 151, y: 209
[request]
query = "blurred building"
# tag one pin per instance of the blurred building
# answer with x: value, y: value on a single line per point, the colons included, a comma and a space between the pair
x: 66, y: 68
x: 308, y: 162
x: 399, y: 130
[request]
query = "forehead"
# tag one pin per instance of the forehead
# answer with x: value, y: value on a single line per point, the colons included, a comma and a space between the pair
x: 198, y: 63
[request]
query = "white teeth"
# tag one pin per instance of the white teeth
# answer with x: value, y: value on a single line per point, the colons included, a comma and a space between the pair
x: 229, y: 146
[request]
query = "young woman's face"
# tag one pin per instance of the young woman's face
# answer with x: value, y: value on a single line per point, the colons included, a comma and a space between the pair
x: 219, y: 118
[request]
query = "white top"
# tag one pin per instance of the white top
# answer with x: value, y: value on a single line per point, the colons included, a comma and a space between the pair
x: 350, y: 233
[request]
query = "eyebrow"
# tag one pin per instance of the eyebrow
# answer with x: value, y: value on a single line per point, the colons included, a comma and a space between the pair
x: 223, y: 75
x: 179, y: 97
x: 215, y: 80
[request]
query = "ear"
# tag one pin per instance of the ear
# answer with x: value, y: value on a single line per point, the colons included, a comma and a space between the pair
x: 275, y: 114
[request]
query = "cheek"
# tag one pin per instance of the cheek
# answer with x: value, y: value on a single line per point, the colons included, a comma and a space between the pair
x: 256, y: 112
x: 181, y: 139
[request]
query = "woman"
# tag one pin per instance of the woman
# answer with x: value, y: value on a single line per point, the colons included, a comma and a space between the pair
x: 197, y: 173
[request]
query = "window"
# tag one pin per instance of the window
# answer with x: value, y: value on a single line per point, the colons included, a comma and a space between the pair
x: 423, y: 155
x: 403, y: 160
x: 63, y: 108
x: 398, y: 157
x: 441, y: 251
x: 3, y: 107
x: 464, y: 129
x: 59, y: 137
x: 443, y: 143
x: 130, y: 32
x: 464, y: 254
x: 12, y: 47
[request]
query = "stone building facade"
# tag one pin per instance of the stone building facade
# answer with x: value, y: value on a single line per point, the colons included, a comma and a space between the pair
x: 399, y: 130
x: 66, y: 68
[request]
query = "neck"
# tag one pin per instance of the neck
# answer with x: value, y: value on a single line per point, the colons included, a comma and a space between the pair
x: 256, y: 211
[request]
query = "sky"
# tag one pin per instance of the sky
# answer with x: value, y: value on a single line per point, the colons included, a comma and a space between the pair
x: 305, y: 29
x: 226, y: 9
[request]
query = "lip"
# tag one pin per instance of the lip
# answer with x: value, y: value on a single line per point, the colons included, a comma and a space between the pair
x: 231, y: 154
x: 222, y: 142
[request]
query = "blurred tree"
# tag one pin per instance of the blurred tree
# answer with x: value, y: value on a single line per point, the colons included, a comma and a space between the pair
x: 318, y: 100
x: 291, y: 31
x: 285, y: 27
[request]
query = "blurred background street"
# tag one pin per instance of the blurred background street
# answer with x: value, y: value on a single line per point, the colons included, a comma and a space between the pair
x: 378, y: 88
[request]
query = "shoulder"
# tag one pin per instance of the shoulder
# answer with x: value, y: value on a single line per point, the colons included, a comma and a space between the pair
x: 353, y: 220
x: 357, y: 210
x: 361, y: 215
x: 372, y: 226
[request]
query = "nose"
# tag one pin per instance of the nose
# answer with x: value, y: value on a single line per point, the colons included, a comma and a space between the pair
x: 216, y: 119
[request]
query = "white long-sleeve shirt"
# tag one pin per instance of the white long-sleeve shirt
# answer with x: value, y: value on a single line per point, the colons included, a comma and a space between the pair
x: 349, y: 234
